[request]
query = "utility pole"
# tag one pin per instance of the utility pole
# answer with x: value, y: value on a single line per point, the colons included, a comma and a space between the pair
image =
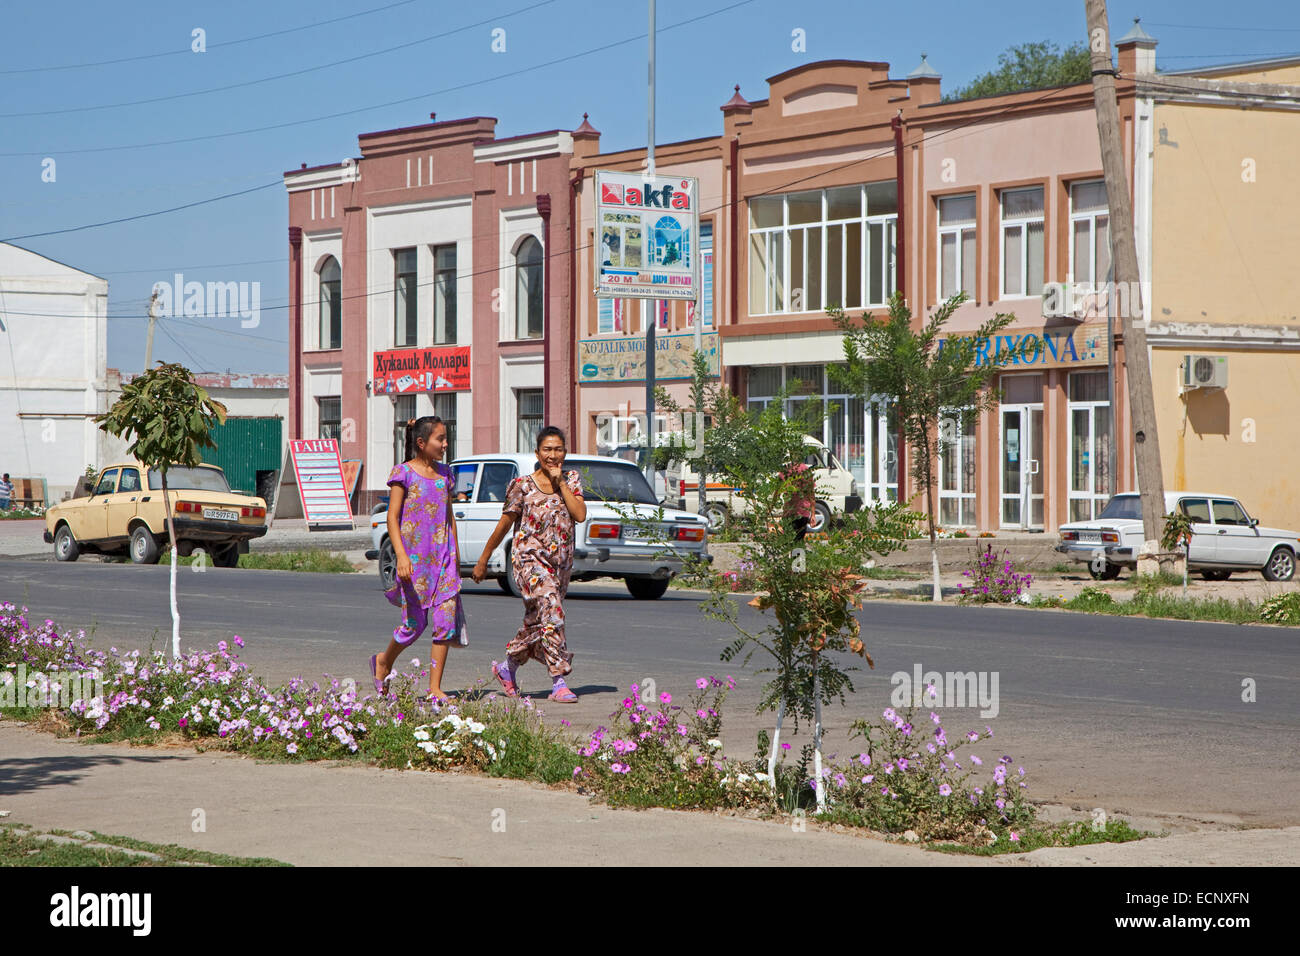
x: 153, y: 319
x: 1141, y: 399
x: 652, y: 310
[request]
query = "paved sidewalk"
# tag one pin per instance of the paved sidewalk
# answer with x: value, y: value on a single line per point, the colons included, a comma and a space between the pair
x: 341, y: 815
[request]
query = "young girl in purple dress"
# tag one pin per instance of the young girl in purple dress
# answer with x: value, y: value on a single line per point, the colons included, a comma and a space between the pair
x: 423, y: 534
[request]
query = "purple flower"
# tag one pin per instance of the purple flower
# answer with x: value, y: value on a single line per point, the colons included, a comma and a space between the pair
x: 864, y: 759
x: 890, y: 715
x: 935, y: 718
x: 239, y: 641
x: 972, y: 736
x: 666, y: 697
x: 868, y: 778
x: 944, y: 790
x: 976, y: 761
x: 785, y: 746
x: 702, y: 683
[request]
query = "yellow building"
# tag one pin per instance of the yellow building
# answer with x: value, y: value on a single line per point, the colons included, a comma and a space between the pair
x: 1217, y: 207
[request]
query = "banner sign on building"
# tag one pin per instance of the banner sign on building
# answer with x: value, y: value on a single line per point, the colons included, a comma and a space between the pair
x: 399, y: 371
x: 648, y: 236
x: 622, y: 359
x: 1048, y: 348
x: 319, y: 473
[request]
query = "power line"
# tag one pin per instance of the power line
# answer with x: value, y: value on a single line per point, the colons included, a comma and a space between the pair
x: 948, y: 131
x: 144, y: 215
x: 378, y: 106
x: 278, y: 76
x: 212, y: 46
x: 1216, y: 29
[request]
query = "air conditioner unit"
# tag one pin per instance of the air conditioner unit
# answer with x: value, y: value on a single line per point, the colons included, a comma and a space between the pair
x: 1205, y: 371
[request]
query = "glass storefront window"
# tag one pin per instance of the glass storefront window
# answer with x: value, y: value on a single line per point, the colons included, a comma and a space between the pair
x: 957, y: 469
x: 1090, y: 472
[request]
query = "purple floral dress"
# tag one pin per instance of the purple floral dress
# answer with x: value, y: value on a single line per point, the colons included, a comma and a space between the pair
x: 433, y: 593
x: 542, y: 559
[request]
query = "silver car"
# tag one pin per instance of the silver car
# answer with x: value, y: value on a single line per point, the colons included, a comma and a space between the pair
x: 1224, y: 538
x: 644, y: 553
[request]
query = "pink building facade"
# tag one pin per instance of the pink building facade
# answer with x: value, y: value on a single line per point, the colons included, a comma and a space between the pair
x: 437, y: 241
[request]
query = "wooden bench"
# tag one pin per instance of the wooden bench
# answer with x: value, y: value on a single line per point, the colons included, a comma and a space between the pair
x: 28, y: 492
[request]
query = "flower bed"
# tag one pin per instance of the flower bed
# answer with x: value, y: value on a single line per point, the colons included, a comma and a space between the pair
x: 653, y: 753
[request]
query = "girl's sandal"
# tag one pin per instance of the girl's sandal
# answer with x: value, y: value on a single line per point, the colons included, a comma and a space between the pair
x: 509, y: 685
x: 379, y: 684
x: 563, y: 696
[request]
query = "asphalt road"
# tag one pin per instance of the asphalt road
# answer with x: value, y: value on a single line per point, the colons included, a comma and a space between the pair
x: 1134, y: 716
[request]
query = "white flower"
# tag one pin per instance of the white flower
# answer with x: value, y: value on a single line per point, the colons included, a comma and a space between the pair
x: 743, y: 777
x: 761, y: 776
x: 715, y: 743
x: 427, y: 747
x: 475, y: 727
x: 421, y: 734
x: 167, y: 702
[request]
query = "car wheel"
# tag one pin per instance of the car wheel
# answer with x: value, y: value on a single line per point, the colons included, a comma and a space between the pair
x: 225, y: 557
x: 821, y: 517
x: 65, y: 545
x: 387, y: 565
x: 646, y: 589
x: 144, y: 546
x: 716, y: 515
x: 1280, y: 566
x: 1109, y: 572
x: 1216, y: 575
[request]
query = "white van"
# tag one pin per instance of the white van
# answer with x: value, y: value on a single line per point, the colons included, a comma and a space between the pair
x: 837, y: 489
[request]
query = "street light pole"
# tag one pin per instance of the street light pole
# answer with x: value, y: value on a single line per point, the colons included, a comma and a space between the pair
x: 652, y: 313
x: 148, y: 342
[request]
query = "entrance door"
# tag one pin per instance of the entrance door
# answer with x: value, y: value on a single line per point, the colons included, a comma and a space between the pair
x: 1022, y: 474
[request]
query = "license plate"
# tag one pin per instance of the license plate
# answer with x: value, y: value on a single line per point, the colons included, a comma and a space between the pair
x: 632, y: 532
x: 1090, y: 537
x: 220, y: 514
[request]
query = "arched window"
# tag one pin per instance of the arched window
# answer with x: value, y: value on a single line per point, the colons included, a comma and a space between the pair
x: 528, y: 289
x: 331, y: 305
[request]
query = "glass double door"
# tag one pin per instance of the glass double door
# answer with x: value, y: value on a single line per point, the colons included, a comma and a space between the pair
x: 1021, y: 430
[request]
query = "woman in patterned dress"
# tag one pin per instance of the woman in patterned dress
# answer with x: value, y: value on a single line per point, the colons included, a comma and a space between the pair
x: 543, y: 507
x: 423, y: 535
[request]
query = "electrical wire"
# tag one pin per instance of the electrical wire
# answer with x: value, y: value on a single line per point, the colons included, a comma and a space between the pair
x: 279, y: 76
x: 212, y: 46
x: 377, y: 106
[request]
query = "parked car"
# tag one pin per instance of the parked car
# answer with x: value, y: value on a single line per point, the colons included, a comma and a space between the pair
x: 1224, y: 538
x: 605, y: 545
x: 837, y: 489
x: 125, y: 512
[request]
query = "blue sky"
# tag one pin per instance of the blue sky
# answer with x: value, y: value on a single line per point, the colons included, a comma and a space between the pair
x: 73, y: 116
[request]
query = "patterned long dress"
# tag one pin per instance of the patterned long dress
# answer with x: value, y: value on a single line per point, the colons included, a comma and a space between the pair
x: 542, y: 559
x: 433, y: 593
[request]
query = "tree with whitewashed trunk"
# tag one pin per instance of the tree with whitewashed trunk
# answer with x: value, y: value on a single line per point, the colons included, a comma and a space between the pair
x: 167, y: 418
x: 812, y: 588
x: 925, y: 376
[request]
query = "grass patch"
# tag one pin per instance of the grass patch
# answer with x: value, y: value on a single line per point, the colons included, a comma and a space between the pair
x: 20, y: 514
x: 314, y: 560
x: 17, y: 849
x: 891, y: 574
x: 1152, y: 602
x: 1161, y: 579
x: 1038, y: 836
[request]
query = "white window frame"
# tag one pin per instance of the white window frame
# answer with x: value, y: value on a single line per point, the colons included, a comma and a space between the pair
x: 776, y: 240
x: 1098, y: 497
x: 1091, y: 218
x: 967, y: 513
x: 1021, y: 223
x: 958, y: 231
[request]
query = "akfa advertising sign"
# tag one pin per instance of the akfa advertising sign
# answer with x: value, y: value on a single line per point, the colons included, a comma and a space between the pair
x: 400, y: 371
x: 648, y: 237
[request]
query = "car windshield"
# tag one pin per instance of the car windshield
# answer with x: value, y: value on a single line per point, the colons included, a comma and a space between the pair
x: 612, y: 482
x: 1123, y: 506
x: 197, y: 479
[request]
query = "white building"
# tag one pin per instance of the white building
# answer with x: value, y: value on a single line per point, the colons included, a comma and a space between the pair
x: 53, y: 351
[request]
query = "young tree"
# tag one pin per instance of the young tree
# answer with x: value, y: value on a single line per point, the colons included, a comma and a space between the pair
x: 707, y: 399
x: 167, y: 418
x: 926, y: 377
x: 1029, y: 66
x: 812, y: 590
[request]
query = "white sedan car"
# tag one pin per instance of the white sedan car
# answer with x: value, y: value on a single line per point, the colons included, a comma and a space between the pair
x: 1224, y: 538
x: 607, y: 544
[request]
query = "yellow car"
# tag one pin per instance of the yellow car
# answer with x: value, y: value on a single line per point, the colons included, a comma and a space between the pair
x: 125, y: 512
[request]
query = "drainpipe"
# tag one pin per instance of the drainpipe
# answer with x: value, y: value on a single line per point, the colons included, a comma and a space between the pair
x: 733, y: 374
x: 295, y: 330
x: 574, y: 185
x: 900, y: 268
x: 544, y: 210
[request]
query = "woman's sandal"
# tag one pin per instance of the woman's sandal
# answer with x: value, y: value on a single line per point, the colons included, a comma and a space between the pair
x: 563, y: 696
x: 509, y: 685
x: 379, y: 684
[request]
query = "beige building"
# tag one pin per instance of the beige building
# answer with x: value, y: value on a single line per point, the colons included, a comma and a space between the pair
x: 1216, y: 238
